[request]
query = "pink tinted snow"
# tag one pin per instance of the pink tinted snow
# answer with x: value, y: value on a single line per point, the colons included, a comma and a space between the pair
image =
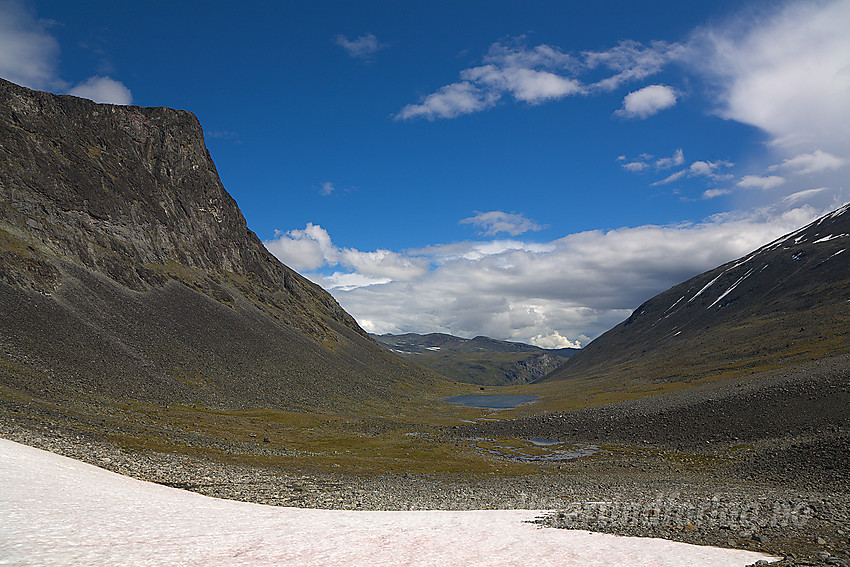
x: 61, y: 512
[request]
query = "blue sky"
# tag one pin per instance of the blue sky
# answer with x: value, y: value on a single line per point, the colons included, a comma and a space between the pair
x: 527, y: 171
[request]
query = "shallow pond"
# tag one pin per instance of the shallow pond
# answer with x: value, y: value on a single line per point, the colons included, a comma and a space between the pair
x: 539, y: 441
x: 535, y: 449
x: 494, y: 401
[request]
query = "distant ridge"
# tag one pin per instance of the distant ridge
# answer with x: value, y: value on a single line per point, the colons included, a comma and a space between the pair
x: 128, y: 273
x: 782, y: 305
x: 480, y: 360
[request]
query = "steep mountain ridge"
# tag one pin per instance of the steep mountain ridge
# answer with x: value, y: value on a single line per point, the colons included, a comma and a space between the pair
x: 126, y: 269
x: 117, y: 189
x: 786, y: 303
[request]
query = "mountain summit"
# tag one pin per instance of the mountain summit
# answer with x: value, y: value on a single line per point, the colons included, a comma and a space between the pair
x: 127, y: 271
x: 784, y: 304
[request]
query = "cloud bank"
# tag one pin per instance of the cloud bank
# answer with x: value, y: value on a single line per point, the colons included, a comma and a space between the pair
x: 560, y: 293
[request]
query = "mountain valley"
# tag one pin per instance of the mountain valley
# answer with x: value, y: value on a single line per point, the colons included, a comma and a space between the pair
x: 146, y: 329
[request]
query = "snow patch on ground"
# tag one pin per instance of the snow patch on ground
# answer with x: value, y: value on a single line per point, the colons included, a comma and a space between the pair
x: 734, y: 285
x: 745, y: 260
x: 828, y: 238
x: 840, y: 211
x: 672, y: 306
x: 60, y: 512
x: 708, y: 285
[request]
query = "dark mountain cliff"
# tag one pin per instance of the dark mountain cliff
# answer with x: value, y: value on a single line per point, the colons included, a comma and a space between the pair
x: 480, y: 360
x: 127, y: 270
x: 784, y: 304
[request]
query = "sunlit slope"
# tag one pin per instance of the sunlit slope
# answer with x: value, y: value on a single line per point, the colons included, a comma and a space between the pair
x: 782, y: 305
x: 128, y: 273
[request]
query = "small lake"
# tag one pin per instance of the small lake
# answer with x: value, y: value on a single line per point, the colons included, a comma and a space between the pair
x: 540, y: 442
x: 536, y: 449
x: 494, y: 401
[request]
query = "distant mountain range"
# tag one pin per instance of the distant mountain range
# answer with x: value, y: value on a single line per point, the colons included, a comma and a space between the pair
x: 783, y: 305
x: 480, y: 360
x: 128, y: 274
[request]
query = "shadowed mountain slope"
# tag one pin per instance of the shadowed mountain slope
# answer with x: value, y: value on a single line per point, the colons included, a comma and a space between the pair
x: 128, y: 272
x: 480, y: 360
x: 783, y: 305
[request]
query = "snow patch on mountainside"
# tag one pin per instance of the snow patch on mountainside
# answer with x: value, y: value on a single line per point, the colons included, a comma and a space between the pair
x: 734, y: 285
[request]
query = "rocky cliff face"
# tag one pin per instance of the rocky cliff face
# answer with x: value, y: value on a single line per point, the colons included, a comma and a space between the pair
x: 126, y: 267
x: 128, y: 192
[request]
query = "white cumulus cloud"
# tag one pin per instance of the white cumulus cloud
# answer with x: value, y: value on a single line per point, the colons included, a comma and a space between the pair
x: 759, y: 182
x: 700, y: 168
x: 103, y: 89
x: 554, y: 340
x: 541, y: 74
x: 342, y: 281
x: 361, y: 48
x: 634, y: 166
x: 491, y: 223
x: 306, y: 249
x: 647, y: 101
x: 648, y: 162
x: 712, y: 193
x: 528, y: 85
x: 815, y: 162
x: 312, y: 248
x: 677, y: 159
x: 384, y: 263
x: 631, y: 61
x: 450, y: 101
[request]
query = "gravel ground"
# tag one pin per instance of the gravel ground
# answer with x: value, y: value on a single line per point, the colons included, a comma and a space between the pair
x: 771, y: 475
